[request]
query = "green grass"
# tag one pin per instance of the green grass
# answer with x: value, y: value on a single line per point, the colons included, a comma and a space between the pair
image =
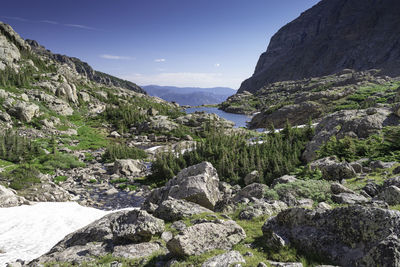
x: 5, y: 164
x: 88, y: 137
x: 49, y: 163
x: 59, y: 179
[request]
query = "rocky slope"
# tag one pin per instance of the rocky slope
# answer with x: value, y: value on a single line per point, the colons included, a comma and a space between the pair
x: 313, y: 98
x: 84, y: 68
x: 332, y: 36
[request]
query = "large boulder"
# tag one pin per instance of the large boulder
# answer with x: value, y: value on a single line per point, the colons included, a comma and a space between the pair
x: 203, y: 237
x: 347, y: 236
x: 260, y: 207
x: 176, y: 209
x: 254, y: 190
x: 68, y: 90
x: 9, y: 198
x: 332, y: 169
x: 252, y: 177
x: 390, y: 195
x: 198, y: 184
x: 105, y: 236
x: 158, y: 123
x: 24, y: 111
x: 128, y: 167
x: 349, y: 198
x: 47, y: 192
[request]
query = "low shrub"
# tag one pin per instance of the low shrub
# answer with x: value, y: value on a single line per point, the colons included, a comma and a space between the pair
x: 119, y: 151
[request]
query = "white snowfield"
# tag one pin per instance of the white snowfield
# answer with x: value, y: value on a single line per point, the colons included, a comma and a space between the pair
x: 29, y: 231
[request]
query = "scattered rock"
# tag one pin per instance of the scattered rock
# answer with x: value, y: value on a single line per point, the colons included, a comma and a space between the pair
x: 260, y: 208
x: 9, y: 198
x: 128, y: 167
x: 207, y: 236
x: 337, y: 188
x: 332, y: 169
x: 176, y: 209
x: 253, y: 177
x: 253, y: 190
x: 390, y: 195
x: 133, y: 251
x: 224, y: 260
x: 285, y: 264
x: 348, y: 198
x: 24, y: 111
x: 284, y: 180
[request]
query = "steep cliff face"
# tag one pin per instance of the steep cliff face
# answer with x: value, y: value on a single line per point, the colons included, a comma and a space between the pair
x: 332, y: 36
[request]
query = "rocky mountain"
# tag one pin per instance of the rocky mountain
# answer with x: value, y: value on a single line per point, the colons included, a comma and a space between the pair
x: 192, y: 96
x: 332, y: 36
x: 193, y: 190
x: 84, y: 68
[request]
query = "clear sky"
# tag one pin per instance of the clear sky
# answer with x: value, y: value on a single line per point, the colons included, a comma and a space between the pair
x: 203, y: 43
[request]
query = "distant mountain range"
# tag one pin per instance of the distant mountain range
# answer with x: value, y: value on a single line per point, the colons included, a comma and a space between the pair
x: 192, y: 96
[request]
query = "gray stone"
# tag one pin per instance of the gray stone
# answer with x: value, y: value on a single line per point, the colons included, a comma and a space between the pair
x: 158, y: 123
x: 167, y: 236
x: 284, y: 180
x: 24, y: 111
x: 224, y: 260
x: 9, y: 198
x: 107, y: 235
x: 390, y: 195
x: 348, y: 198
x: 128, y: 167
x: 176, y: 209
x: 285, y: 264
x: 260, y: 208
x: 253, y: 190
x: 253, y: 177
x: 198, y: 184
x: 332, y: 169
x: 337, y: 188
x: 371, y: 189
x: 203, y: 237
x: 84, y: 96
x: 134, y: 251
x: 381, y: 165
x: 347, y: 236
x: 178, y: 225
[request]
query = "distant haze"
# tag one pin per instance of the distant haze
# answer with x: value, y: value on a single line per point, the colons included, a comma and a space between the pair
x: 192, y: 96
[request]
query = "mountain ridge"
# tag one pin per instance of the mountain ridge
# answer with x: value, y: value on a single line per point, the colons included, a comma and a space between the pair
x: 329, y: 37
x: 192, y: 96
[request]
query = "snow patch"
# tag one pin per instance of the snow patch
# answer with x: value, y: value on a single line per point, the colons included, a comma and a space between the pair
x: 29, y: 231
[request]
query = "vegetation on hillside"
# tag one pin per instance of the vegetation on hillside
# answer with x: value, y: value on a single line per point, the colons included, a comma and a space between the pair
x: 384, y: 146
x: 234, y: 157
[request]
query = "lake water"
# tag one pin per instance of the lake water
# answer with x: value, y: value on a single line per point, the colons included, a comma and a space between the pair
x: 239, y: 119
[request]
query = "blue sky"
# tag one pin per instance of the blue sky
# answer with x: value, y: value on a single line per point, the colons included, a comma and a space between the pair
x: 203, y: 43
